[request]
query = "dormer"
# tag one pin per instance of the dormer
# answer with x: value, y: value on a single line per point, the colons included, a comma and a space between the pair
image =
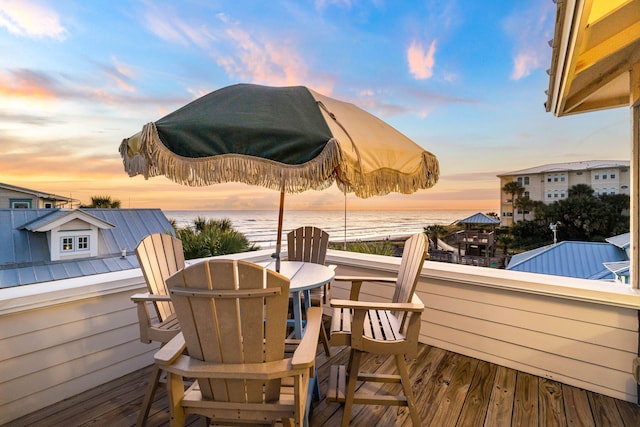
x: 70, y: 234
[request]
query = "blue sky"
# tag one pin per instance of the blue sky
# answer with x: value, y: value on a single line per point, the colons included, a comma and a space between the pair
x: 463, y: 78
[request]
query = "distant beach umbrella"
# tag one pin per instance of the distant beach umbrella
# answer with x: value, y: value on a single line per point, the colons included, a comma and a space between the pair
x: 289, y: 139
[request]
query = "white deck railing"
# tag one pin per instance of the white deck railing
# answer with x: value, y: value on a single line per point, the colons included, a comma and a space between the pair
x: 60, y: 338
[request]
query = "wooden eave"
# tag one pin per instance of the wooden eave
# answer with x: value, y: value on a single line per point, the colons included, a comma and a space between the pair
x: 591, y: 61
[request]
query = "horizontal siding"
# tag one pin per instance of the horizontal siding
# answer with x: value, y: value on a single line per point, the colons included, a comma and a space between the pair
x: 51, y: 354
x: 585, y: 344
x: 54, y: 347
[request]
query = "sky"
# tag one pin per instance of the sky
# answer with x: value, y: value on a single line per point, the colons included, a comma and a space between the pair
x: 465, y: 79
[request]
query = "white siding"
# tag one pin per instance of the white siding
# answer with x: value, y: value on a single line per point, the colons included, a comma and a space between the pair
x: 61, y: 338
x: 582, y: 333
x: 58, y: 339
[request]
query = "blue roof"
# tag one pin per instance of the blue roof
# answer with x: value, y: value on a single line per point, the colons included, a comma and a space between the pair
x: 26, y: 257
x: 571, y: 259
x: 478, y: 218
x: 622, y: 241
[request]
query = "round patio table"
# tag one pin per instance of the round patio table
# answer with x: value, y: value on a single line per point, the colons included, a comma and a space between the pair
x: 304, y: 276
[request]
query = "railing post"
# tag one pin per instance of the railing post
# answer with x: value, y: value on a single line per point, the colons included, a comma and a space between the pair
x: 634, y: 101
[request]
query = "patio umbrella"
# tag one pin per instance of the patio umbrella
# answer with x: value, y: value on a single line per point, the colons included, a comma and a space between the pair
x: 289, y: 139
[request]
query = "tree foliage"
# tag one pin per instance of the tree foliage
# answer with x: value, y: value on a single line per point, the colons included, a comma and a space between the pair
x: 581, y: 216
x: 212, y: 237
x: 102, y: 202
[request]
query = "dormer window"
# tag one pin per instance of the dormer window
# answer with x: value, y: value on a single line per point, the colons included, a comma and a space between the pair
x: 69, y: 244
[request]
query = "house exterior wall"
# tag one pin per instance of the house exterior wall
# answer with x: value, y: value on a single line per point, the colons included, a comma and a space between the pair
x: 570, y: 330
x: 58, y: 339
x: 6, y: 196
x: 551, y: 186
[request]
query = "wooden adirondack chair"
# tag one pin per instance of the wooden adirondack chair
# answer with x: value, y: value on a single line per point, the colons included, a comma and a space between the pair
x: 379, y: 328
x: 159, y: 256
x: 309, y: 244
x: 233, y: 316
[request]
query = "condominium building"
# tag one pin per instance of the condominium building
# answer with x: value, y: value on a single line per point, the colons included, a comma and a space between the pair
x: 550, y: 183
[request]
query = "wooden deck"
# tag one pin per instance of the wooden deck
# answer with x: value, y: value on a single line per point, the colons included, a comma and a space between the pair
x: 451, y: 389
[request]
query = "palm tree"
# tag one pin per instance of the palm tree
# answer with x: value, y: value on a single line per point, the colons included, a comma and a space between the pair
x: 211, y: 238
x: 102, y: 202
x: 525, y: 204
x: 435, y: 232
x: 515, y: 190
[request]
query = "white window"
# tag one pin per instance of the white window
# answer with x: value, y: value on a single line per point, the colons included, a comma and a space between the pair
x: 83, y: 243
x: 526, y: 180
x: 562, y: 178
x: 548, y: 178
x: 74, y: 244
x: 555, y: 178
x: 66, y: 244
x: 604, y: 175
x: 612, y: 174
x: 596, y: 176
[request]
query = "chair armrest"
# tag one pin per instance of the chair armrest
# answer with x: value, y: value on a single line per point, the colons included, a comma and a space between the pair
x: 305, y: 354
x: 332, y: 266
x: 190, y: 367
x: 391, y: 306
x: 149, y: 297
x: 170, y: 351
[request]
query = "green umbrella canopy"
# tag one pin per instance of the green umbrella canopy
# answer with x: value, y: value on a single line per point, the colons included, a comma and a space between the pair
x: 286, y: 138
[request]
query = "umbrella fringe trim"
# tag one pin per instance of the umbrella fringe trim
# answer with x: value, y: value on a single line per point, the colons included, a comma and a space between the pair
x: 384, y: 181
x: 155, y: 159
x: 152, y: 158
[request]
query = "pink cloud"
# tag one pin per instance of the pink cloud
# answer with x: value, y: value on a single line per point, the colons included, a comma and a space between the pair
x: 31, y: 19
x: 420, y: 63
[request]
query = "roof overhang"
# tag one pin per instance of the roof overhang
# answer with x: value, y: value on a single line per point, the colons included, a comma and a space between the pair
x: 60, y: 217
x: 595, y: 46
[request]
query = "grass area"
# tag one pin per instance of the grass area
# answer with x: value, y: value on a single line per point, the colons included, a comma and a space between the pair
x: 379, y: 247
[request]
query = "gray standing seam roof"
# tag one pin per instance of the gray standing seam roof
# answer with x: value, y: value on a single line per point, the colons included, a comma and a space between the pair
x: 25, y: 256
x: 571, y: 259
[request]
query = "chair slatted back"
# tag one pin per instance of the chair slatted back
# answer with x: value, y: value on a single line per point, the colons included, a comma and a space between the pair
x: 413, y: 256
x: 308, y: 244
x: 232, y: 312
x: 160, y: 255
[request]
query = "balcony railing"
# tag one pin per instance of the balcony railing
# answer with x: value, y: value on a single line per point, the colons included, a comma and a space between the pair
x: 60, y: 338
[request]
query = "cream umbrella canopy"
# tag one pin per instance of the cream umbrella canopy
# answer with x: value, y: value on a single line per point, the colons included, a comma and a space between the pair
x: 289, y: 139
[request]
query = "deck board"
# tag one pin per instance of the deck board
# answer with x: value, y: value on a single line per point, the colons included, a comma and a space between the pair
x: 450, y: 389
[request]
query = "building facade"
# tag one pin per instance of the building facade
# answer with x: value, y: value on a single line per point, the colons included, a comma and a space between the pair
x: 550, y: 183
x: 14, y: 197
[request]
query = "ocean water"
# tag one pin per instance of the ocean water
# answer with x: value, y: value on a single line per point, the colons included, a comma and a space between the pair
x: 261, y: 227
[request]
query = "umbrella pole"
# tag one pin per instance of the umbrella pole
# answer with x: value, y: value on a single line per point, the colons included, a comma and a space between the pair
x: 279, y: 236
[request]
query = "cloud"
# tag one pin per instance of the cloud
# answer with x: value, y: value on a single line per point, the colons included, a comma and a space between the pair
x: 321, y: 4
x: 244, y: 55
x: 421, y: 63
x: 28, y: 83
x: 530, y: 29
x: 119, y: 73
x: 28, y: 18
x: 166, y: 23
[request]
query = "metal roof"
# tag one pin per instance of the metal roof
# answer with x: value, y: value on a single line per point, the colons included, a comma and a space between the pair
x: 571, y: 259
x: 478, y: 218
x: 570, y: 166
x: 39, y: 194
x: 623, y: 241
x: 25, y: 257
